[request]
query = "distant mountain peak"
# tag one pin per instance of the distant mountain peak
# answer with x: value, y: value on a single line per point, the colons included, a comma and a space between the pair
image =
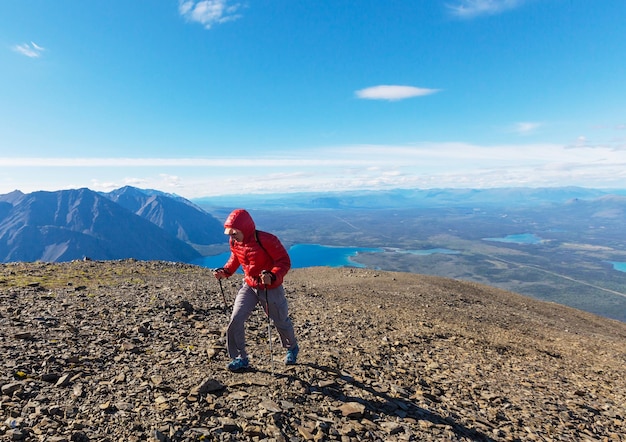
x: 69, y: 224
x: 12, y: 197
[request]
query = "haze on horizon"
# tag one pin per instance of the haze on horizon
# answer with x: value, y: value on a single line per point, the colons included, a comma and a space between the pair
x: 214, y: 97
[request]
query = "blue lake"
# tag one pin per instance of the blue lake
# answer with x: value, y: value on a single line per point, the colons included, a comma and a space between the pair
x: 619, y: 266
x: 305, y: 255
x: 522, y: 238
x: 212, y: 262
x: 312, y: 255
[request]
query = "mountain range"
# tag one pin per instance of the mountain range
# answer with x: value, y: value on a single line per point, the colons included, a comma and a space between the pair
x: 126, y: 223
x: 576, y: 260
x: 564, y: 245
x: 414, y: 198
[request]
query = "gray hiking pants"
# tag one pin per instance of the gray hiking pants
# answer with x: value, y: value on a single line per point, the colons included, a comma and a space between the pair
x: 245, y: 302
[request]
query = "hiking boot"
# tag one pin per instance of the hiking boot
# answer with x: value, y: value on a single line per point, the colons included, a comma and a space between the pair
x: 292, y: 355
x: 238, y: 364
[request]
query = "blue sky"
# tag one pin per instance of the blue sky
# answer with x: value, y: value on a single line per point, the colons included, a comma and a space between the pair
x: 216, y: 97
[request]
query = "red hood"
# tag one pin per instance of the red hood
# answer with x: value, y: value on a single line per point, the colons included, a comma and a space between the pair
x: 240, y: 219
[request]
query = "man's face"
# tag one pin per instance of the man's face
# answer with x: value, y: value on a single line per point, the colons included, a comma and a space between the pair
x: 235, y: 234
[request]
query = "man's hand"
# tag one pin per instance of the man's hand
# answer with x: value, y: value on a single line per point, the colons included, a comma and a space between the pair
x: 220, y: 273
x: 267, y: 277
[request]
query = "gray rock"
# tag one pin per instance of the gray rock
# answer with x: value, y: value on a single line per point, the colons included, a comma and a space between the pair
x: 431, y: 359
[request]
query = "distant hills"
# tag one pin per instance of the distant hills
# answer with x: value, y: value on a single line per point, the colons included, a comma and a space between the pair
x: 469, y: 234
x: 126, y: 223
x: 415, y: 198
x: 152, y: 225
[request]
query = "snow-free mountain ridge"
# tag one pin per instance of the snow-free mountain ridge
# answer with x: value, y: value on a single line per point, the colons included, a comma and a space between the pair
x: 127, y: 223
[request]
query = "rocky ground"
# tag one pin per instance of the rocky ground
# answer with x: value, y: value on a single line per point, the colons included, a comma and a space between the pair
x: 134, y: 351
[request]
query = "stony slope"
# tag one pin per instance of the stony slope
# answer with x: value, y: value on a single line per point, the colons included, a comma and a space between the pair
x: 129, y: 351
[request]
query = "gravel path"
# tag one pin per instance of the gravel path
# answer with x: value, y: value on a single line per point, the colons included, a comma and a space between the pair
x: 134, y: 351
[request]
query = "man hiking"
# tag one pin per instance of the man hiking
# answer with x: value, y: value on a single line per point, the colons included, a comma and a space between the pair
x: 264, y: 262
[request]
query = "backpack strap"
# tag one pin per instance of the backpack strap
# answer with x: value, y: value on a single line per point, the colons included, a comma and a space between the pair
x: 256, y: 237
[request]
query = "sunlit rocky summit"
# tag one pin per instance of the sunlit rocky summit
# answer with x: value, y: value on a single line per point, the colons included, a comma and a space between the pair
x: 134, y: 351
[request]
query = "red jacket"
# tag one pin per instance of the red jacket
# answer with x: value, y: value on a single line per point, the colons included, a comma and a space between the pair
x: 257, y: 252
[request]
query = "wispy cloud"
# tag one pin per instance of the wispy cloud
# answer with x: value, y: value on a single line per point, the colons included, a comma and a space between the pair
x: 422, y: 165
x: 393, y: 93
x: 120, y: 162
x: 209, y: 12
x: 526, y: 127
x: 474, y: 8
x: 32, y: 49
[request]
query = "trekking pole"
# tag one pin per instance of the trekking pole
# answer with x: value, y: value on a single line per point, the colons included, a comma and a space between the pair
x: 223, y: 295
x: 269, y: 328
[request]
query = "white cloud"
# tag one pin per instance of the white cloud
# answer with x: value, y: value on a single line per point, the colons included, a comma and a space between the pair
x: 209, y: 12
x: 171, y: 181
x: 31, y: 49
x: 474, y: 8
x: 526, y: 127
x: 106, y: 186
x: 282, y: 161
x: 581, y: 141
x: 353, y: 167
x: 393, y: 93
